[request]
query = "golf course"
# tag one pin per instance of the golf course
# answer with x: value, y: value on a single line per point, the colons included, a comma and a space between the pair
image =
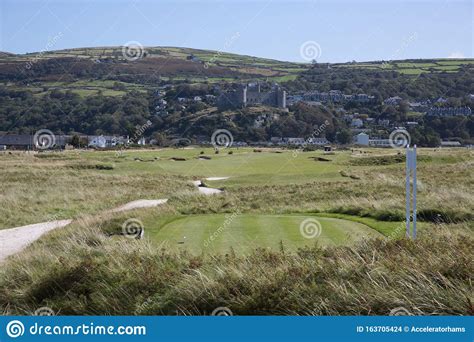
x: 184, y: 227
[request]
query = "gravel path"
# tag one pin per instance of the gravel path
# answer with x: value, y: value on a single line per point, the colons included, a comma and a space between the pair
x: 14, y: 240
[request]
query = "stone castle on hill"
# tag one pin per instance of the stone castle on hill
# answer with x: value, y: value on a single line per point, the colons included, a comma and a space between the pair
x: 251, y: 94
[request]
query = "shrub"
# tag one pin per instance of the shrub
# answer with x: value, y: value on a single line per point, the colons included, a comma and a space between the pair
x: 443, y: 216
x: 99, y: 166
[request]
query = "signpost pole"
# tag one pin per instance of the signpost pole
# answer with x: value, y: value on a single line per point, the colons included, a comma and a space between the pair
x: 407, y: 188
x: 414, y: 192
x: 410, y: 168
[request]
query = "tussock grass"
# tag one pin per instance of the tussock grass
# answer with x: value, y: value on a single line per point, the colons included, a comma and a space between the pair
x: 82, y: 271
x: 385, y: 160
x: 98, y: 166
x: 35, y: 190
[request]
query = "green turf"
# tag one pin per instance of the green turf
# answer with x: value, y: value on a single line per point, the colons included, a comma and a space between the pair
x: 244, y: 167
x: 243, y: 232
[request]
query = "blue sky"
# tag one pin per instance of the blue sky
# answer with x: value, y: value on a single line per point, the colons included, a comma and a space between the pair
x: 338, y: 30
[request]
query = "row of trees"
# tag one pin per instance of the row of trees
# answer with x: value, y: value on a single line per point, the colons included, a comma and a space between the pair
x: 65, y: 112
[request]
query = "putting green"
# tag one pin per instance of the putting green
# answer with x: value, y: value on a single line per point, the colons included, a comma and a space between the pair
x: 220, y: 233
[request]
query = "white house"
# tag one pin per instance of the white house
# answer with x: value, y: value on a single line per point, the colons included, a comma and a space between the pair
x: 101, y: 141
x: 294, y: 141
x: 97, y: 141
x: 379, y: 142
x: 276, y: 140
x: 445, y: 143
x: 393, y: 100
x: 161, y: 104
x: 357, y: 123
x: 318, y: 141
x: 362, y: 139
x: 210, y: 98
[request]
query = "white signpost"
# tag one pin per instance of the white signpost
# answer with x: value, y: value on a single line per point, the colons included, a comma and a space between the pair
x: 410, y: 169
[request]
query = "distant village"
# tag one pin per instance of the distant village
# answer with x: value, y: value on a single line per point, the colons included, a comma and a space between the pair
x: 252, y: 94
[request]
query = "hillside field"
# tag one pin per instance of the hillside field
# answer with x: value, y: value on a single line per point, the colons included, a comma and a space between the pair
x: 105, y: 70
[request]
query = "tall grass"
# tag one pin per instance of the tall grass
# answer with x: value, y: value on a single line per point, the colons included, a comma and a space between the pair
x: 82, y: 271
x: 62, y: 186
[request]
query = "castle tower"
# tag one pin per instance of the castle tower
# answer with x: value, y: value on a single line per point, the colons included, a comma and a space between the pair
x: 280, y: 97
x: 242, y: 95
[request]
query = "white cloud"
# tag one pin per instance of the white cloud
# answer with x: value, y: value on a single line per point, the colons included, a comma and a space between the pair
x: 456, y: 54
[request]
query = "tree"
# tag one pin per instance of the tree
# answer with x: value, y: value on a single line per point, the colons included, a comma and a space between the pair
x: 161, y: 139
x: 344, y: 136
x: 76, y: 141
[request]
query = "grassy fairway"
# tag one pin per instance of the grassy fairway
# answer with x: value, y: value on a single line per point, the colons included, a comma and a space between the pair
x: 243, y: 166
x: 243, y: 233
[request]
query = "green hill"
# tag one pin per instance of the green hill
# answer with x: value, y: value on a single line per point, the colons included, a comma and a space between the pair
x: 110, y: 90
x: 169, y: 62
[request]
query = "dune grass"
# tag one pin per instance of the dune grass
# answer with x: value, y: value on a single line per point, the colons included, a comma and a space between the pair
x: 84, y: 271
x: 65, y: 185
